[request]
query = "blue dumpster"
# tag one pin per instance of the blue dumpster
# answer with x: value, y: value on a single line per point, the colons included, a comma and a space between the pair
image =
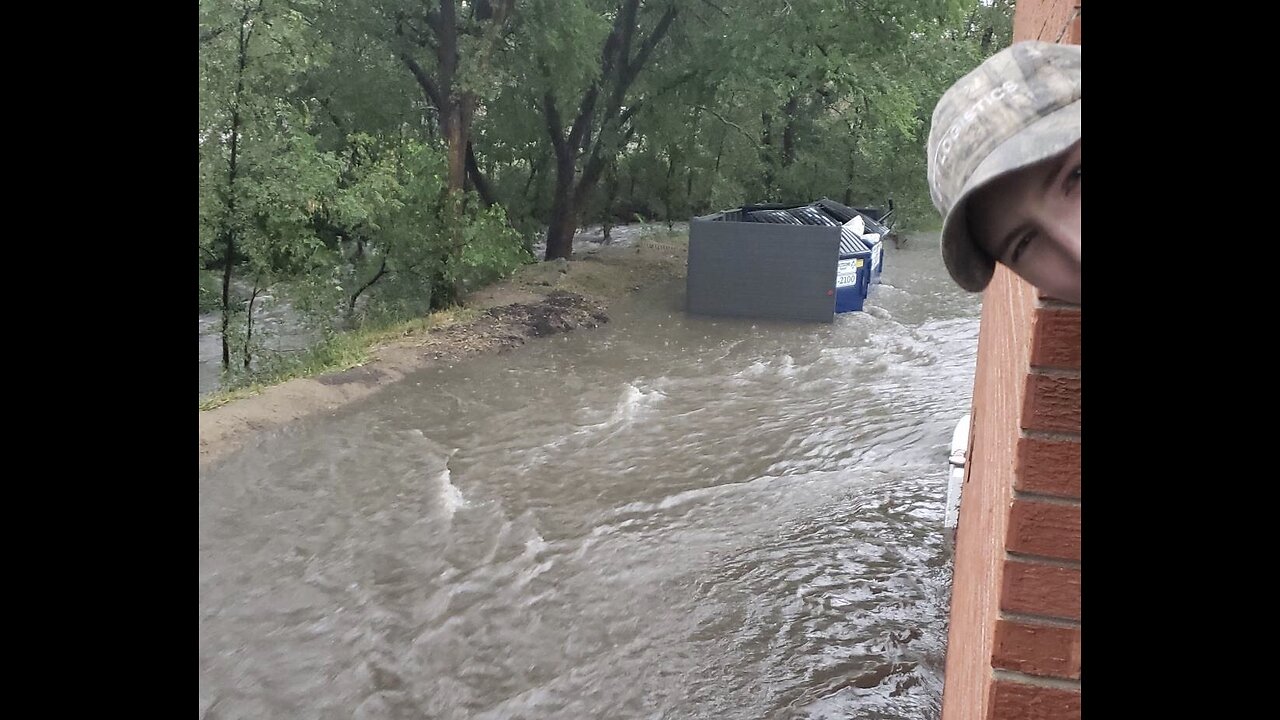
x: 855, y: 266
x: 874, y: 235
x: 873, y: 232
x: 853, y: 271
x: 802, y: 262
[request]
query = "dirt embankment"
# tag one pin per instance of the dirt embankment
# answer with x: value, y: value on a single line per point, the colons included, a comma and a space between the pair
x: 539, y: 300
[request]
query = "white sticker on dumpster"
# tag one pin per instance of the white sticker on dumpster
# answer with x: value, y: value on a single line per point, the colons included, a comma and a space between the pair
x: 847, y: 272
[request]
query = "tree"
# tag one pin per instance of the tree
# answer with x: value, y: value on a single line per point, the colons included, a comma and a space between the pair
x: 451, y: 55
x: 601, y: 98
x: 376, y: 150
x: 260, y: 169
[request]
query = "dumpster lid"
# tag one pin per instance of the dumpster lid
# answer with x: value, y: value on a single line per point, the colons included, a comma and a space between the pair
x: 873, y: 218
x: 779, y: 217
x: 810, y: 215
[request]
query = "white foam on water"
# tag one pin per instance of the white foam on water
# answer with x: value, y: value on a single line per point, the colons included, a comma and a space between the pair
x: 633, y: 404
x: 788, y: 365
x: 450, y: 497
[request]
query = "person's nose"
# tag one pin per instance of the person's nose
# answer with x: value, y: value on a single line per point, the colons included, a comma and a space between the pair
x: 1063, y: 226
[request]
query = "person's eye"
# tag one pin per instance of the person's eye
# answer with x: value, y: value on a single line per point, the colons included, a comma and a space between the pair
x: 1073, y: 179
x: 1021, y: 245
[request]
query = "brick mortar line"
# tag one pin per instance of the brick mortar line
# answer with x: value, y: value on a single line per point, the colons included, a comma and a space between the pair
x: 1042, y: 560
x: 1046, y: 499
x: 1043, y: 24
x: 1032, y: 619
x: 1055, y: 372
x: 1052, y: 370
x: 1051, y: 435
x: 1067, y: 26
x: 1035, y: 680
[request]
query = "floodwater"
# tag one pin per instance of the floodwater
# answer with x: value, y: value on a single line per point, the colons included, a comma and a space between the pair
x: 667, y: 517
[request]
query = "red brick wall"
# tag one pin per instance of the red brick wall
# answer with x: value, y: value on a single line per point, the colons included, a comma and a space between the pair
x: 1013, y: 648
x: 1048, y: 20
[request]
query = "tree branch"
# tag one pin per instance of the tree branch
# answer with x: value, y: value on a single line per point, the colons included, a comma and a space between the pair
x: 730, y: 123
x: 646, y: 48
x: 477, y: 177
x: 422, y: 37
x: 245, y: 19
x: 554, y: 128
x: 619, y: 35
x: 424, y: 80
x: 207, y: 35
x: 583, y: 121
x: 626, y: 21
x: 629, y: 112
x: 640, y: 103
x: 351, y: 306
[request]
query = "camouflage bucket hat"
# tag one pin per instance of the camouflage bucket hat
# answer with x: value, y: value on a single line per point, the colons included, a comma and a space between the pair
x: 1018, y: 107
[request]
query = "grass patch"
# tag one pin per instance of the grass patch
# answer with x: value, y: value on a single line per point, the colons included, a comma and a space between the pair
x: 394, y: 332
x: 342, y: 351
x: 345, y: 350
x: 222, y: 397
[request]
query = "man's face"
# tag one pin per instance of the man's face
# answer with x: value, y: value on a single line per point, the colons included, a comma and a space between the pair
x: 1030, y: 221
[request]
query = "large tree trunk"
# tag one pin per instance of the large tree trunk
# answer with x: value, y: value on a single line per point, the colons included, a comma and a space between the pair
x: 229, y: 230
x: 457, y: 130
x: 560, y: 232
x: 606, y: 206
x: 445, y: 293
x: 455, y: 106
x: 597, y: 131
x: 766, y: 153
x: 668, y: 194
x: 226, y: 299
x: 789, y: 132
x: 564, y: 220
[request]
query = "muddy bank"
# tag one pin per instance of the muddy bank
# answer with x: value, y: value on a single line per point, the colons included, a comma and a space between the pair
x: 508, y: 326
x: 540, y: 300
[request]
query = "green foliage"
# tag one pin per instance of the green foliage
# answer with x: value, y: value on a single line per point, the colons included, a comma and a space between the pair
x: 333, y: 351
x: 338, y: 198
x: 492, y: 249
x: 210, y: 292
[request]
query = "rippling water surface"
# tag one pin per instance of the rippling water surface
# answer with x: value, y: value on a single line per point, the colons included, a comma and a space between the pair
x: 668, y: 517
